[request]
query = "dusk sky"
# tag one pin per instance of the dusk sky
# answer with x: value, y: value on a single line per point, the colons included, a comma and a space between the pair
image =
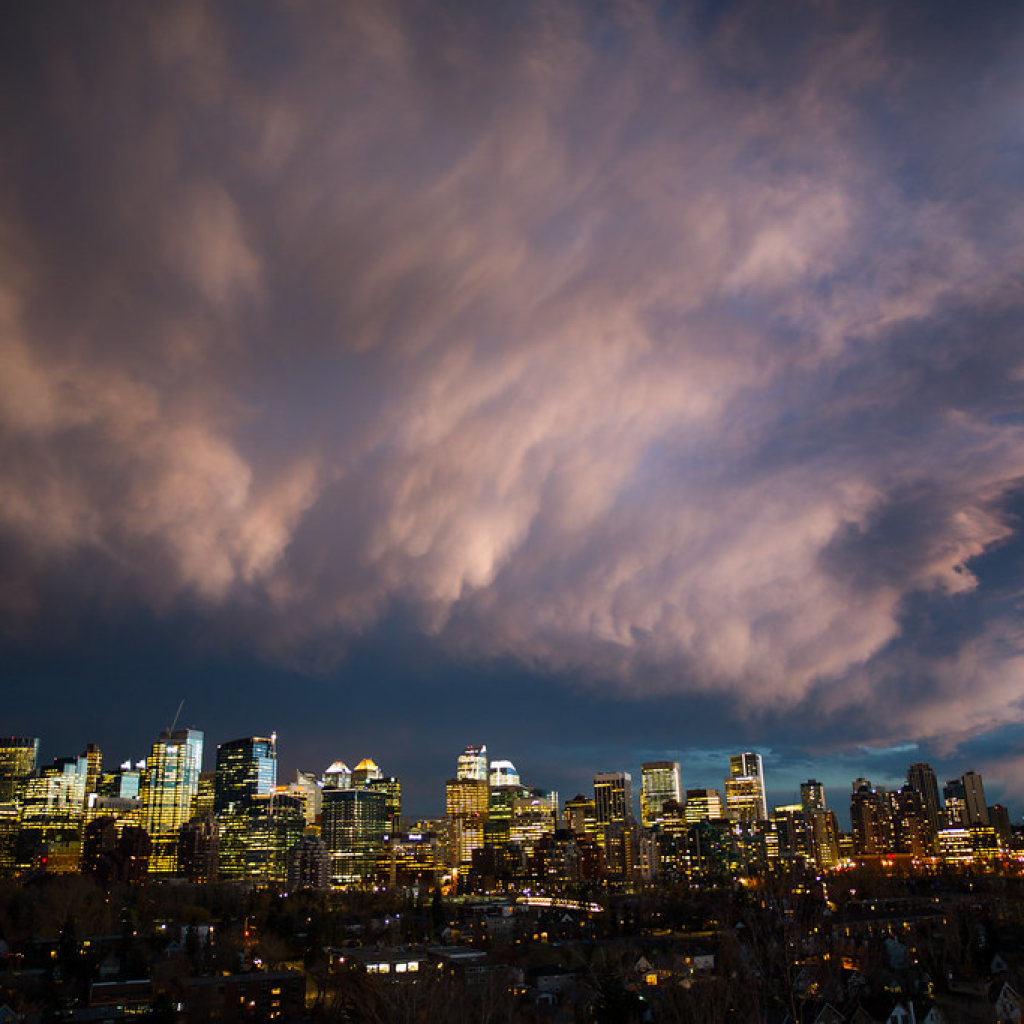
x: 604, y: 382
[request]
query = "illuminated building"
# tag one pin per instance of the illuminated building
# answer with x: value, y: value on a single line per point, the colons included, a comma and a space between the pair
x: 115, y: 854
x: 246, y: 769
x: 338, y: 776
x: 613, y: 798
x: 364, y: 773
x: 974, y: 799
x: 467, y: 803
x: 198, y: 846
x: 613, y: 804
x: 921, y: 776
x: 275, y: 824
x: 702, y: 805
x: 169, y: 785
x: 309, y: 864
x: 580, y: 816
x: 984, y: 843
x: 812, y: 796
x: 503, y: 773
x: 659, y: 784
x: 534, y: 816
x: 19, y: 756
x: 871, y: 818
x: 353, y: 826
x: 744, y: 789
x: 911, y: 832
x: 472, y: 764
x: 52, y: 813
x: 825, y: 832
x: 564, y: 858
x: 411, y: 859
x: 307, y: 789
x: 206, y: 796
x: 392, y: 790
x: 955, y: 812
x: 791, y: 836
x: 94, y: 767
x: 955, y: 845
x: 122, y: 783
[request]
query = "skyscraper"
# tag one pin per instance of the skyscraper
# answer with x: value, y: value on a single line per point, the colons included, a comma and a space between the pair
x: 169, y: 785
x: 974, y: 799
x: 702, y: 805
x: 246, y: 769
x: 744, y: 789
x: 472, y: 764
x: 921, y: 777
x: 353, y: 826
x: 467, y: 803
x: 812, y: 796
x: 658, y: 786
x: 18, y: 758
x: 364, y: 773
x: 613, y: 798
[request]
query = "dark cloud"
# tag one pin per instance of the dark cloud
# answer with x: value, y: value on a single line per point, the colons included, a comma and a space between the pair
x: 667, y: 354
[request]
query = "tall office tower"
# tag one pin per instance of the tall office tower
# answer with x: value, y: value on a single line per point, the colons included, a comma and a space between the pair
x: 472, y: 764
x: 613, y: 798
x: 974, y: 799
x: 276, y: 822
x: 503, y: 773
x: 352, y: 827
x: 246, y: 768
x: 364, y: 773
x: 812, y: 796
x: 659, y: 784
x: 467, y: 803
x: 94, y: 767
x: 121, y: 783
x: 169, y: 785
x: 52, y: 815
x: 825, y: 832
x: 613, y: 804
x: 744, y: 789
x: 911, y: 833
x: 702, y: 805
x: 18, y: 758
x: 921, y: 777
x: 338, y: 776
x: 955, y: 801
x: 391, y: 787
x: 306, y: 789
x: 871, y: 818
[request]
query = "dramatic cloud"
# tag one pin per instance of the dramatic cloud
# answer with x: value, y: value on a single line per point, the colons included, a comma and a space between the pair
x: 677, y: 351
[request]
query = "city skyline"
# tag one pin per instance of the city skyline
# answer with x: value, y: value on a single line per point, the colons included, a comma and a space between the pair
x: 612, y: 386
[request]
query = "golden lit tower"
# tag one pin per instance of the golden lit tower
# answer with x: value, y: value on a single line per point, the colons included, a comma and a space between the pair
x: 659, y: 786
x: 169, y: 784
x: 19, y: 756
x: 744, y: 789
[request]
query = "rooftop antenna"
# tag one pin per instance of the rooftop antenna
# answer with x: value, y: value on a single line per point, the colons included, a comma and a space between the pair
x: 177, y: 715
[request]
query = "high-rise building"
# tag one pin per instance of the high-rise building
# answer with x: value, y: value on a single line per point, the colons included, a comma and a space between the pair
x: 812, y: 796
x: 353, y: 825
x: 871, y: 818
x: 503, y: 773
x: 391, y: 787
x: 338, y: 775
x: 364, y: 773
x: 309, y: 864
x: 613, y: 804
x: 974, y: 799
x: 744, y: 789
x: 702, y: 805
x: 246, y: 769
x: 472, y: 764
x: 19, y: 756
x: 467, y: 803
x: 52, y: 816
x: 955, y: 801
x: 659, y: 785
x: 921, y: 777
x: 169, y: 785
x: 613, y: 798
